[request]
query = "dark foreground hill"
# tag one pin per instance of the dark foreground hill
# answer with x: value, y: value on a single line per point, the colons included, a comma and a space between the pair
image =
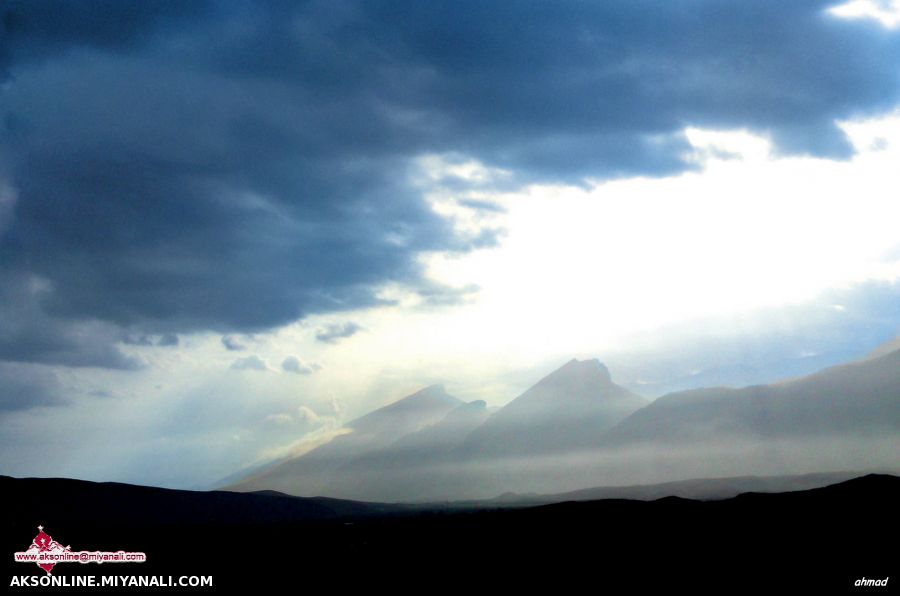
x: 818, y: 541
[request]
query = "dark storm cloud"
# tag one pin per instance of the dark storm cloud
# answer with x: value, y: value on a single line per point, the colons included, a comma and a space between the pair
x: 29, y: 334
x: 334, y: 332
x: 238, y: 165
x: 35, y: 29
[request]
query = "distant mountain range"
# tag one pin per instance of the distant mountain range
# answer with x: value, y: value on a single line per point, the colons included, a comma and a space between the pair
x: 576, y: 428
x: 696, y: 488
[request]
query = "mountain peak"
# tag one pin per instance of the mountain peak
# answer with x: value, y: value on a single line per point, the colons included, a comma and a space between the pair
x: 565, y: 411
x: 429, y: 404
x: 590, y: 369
x: 431, y: 395
x: 432, y: 390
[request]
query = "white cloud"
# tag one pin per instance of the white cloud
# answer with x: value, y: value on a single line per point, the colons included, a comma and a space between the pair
x: 308, y: 416
x: 580, y: 269
x: 885, y: 12
x: 292, y: 364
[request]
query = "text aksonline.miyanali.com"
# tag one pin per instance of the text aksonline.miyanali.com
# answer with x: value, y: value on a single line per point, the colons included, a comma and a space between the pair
x: 111, y: 581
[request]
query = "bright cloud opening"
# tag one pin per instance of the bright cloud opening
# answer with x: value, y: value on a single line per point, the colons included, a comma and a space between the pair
x: 885, y: 12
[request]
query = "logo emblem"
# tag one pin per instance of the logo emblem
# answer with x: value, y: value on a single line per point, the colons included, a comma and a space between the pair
x: 44, y: 543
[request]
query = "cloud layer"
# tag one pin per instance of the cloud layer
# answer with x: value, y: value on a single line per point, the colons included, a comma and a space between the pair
x: 176, y: 167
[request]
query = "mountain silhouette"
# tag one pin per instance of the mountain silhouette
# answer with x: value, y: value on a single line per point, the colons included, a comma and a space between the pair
x: 859, y: 398
x: 565, y: 411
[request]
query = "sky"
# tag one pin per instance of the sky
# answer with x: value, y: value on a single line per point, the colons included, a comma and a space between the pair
x: 227, y: 228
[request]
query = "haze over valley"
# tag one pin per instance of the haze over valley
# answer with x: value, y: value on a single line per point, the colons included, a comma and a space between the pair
x: 577, y: 429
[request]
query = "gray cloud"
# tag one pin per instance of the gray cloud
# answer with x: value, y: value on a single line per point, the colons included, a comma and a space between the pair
x: 252, y: 362
x: 23, y: 387
x: 232, y: 343
x: 234, y: 167
x: 481, y: 205
x: 143, y: 339
x: 105, y: 393
x: 292, y: 364
x: 168, y: 340
x: 334, y: 332
x: 138, y: 340
x: 441, y: 295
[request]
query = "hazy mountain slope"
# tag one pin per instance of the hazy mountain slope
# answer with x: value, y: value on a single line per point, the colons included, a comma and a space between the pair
x: 406, y: 415
x: 567, y: 410
x: 860, y: 398
x: 309, y: 474
x: 433, y: 441
x: 576, y: 428
x: 411, y: 468
x: 885, y: 349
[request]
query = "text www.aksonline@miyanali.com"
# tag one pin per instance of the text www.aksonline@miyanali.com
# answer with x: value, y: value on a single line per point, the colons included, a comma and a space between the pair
x: 85, y: 556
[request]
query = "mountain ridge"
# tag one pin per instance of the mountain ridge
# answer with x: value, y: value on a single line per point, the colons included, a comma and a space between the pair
x: 561, y: 412
x: 576, y: 426
x: 310, y: 473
